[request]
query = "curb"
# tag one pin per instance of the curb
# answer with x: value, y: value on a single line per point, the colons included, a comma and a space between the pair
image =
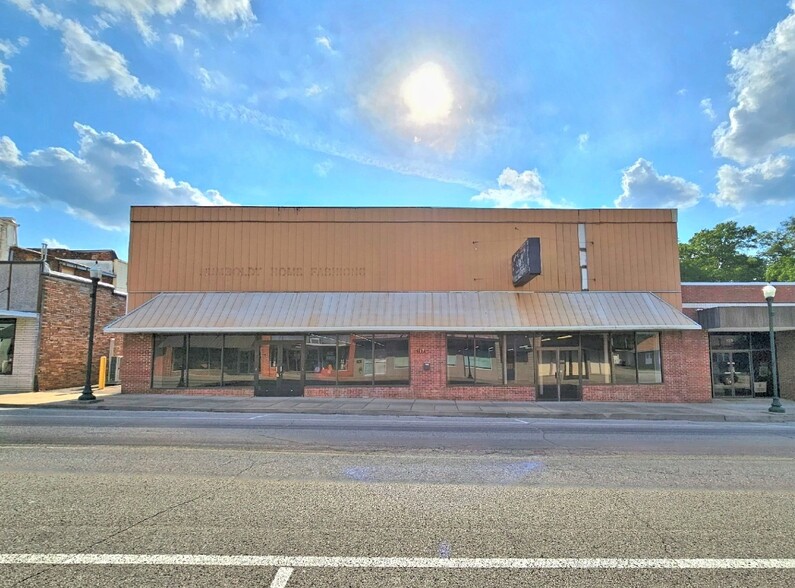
x: 733, y: 418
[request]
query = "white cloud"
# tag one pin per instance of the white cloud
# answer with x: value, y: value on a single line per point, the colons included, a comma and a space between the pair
x: 7, y: 50
x: 706, y: 108
x: 54, y: 243
x: 325, y: 42
x: 582, y: 141
x: 3, y: 83
x: 314, y: 90
x: 177, y: 40
x: 763, y: 120
x: 98, y: 183
x: 516, y: 189
x: 643, y: 187
x: 323, y: 168
x: 681, y: 92
x: 90, y: 60
x: 225, y: 10
x: 140, y: 11
x: 771, y: 181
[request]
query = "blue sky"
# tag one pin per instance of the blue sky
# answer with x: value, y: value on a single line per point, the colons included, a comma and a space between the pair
x: 633, y: 103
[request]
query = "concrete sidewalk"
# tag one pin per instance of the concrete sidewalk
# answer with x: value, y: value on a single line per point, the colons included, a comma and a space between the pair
x: 748, y: 410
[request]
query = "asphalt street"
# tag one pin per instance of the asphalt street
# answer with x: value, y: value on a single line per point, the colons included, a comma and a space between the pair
x: 391, y: 501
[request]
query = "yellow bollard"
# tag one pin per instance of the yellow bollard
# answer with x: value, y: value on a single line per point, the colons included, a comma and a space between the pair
x: 103, y: 371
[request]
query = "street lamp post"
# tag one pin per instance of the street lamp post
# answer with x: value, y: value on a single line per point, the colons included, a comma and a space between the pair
x: 95, y: 273
x: 769, y: 292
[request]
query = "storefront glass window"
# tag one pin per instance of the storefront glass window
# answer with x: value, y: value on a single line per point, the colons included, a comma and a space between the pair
x: 359, y: 368
x: 321, y: 360
x: 595, y: 358
x: 474, y: 359
x: 622, y: 349
x: 204, y: 360
x: 168, y: 366
x: 7, y: 329
x: 519, y: 360
x: 729, y: 341
x: 648, y: 358
x: 391, y: 359
x: 240, y: 360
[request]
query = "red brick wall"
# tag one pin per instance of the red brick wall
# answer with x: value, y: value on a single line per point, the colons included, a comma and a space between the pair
x: 65, y: 315
x: 686, y: 374
x: 728, y: 293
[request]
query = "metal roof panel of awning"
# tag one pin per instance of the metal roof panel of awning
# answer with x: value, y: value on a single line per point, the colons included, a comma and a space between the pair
x: 330, y: 312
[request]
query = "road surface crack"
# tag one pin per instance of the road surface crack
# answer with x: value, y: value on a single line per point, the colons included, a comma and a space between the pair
x: 207, y: 494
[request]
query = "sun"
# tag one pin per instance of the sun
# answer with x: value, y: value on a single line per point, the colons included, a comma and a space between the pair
x: 427, y: 94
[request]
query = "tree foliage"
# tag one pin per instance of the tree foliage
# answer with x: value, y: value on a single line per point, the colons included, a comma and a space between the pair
x: 731, y: 253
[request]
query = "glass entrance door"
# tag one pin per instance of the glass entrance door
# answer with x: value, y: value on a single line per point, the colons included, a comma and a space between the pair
x: 281, y: 367
x: 559, y: 375
x: 731, y: 373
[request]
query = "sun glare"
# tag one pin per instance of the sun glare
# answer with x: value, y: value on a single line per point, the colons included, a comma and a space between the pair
x: 427, y: 94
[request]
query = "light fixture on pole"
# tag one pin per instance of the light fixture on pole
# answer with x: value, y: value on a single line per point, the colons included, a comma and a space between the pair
x: 769, y: 292
x: 95, y: 273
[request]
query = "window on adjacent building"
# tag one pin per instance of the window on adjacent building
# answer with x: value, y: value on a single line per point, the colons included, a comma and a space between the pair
x: 474, y: 359
x: 7, y: 330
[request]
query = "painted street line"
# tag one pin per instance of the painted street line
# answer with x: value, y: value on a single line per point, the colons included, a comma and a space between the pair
x: 286, y: 561
x: 281, y: 578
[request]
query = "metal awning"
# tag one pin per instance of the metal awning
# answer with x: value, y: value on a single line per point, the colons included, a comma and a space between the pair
x: 746, y: 318
x: 334, y: 312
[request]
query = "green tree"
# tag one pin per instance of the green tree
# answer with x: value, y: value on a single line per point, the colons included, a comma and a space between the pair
x: 725, y: 253
x: 779, y: 252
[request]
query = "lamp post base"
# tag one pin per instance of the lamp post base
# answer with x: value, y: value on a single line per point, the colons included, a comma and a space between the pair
x: 87, y: 395
x: 776, y: 406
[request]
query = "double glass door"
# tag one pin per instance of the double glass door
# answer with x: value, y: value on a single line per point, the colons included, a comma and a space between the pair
x: 559, y: 375
x: 281, y: 367
x: 731, y: 373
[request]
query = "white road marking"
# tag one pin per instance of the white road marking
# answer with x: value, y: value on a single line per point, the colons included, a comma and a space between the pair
x: 521, y: 421
x: 281, y: 578
x: 288, y: 561
x: 259, y: 416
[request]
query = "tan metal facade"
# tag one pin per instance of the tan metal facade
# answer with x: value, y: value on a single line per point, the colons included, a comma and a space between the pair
x: 270, y: 249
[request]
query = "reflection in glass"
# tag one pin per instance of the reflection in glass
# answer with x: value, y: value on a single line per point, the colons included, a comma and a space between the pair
x: 7, y: 328
x: 595, y: 358
x: 168, y: 364
x: 240, y: 363
x: 391, y: 359
x: 623, y: 358
x: 321, y: 360
x: 204, y: 360
x: 359, y: 368
x: 648, y: 358
x: 519, y: 360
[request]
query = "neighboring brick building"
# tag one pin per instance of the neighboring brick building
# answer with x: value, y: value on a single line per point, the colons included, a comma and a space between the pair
x: 736, y: 317
x: 410, y: 303
x: 44, y: 321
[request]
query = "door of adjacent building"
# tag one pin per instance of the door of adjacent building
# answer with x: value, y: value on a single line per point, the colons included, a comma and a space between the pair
x: 281, y: 367
x: 731, y: 373
x: 559, y: 375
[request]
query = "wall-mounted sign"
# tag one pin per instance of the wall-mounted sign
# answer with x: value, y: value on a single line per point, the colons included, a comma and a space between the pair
x: 526, y: 262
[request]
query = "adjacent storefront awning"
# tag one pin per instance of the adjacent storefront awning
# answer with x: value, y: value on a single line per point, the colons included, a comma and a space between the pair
x: 330, y: 312
x: 746, y: 318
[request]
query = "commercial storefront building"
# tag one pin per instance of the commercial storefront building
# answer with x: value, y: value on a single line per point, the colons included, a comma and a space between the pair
x: 410, y: 303
x: 736, y: 317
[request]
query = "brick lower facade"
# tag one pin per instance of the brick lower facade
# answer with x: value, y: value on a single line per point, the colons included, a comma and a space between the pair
x: 685, y: 364
x: 63, y: 335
